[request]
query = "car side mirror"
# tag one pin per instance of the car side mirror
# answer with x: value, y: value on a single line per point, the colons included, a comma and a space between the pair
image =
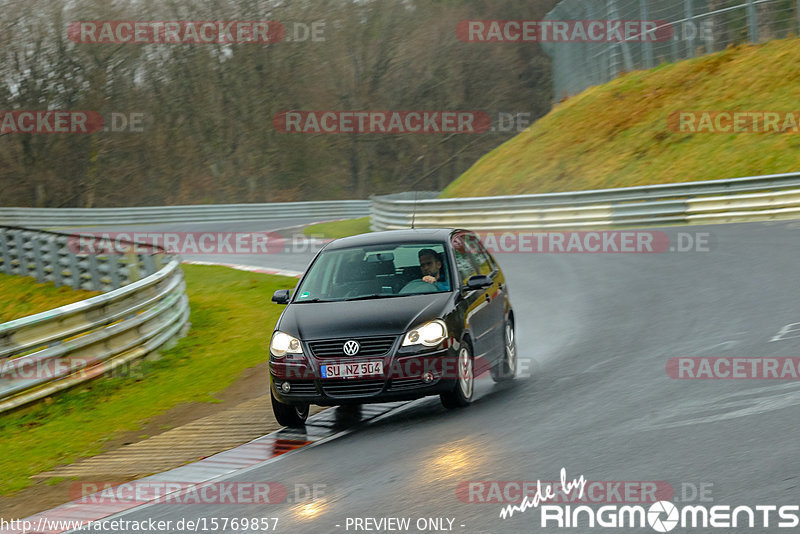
x: 479, y: 281
x: 282, y: 296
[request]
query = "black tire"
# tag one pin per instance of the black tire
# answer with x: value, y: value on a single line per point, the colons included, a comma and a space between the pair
x: 289, y: 415
x: 506, y: 369
x: 464, y: 388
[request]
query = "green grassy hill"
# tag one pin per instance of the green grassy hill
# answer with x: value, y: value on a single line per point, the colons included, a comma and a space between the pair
x: 617, y: 135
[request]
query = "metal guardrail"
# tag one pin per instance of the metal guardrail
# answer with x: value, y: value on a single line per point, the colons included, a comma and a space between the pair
x: 57, y: 349
x: 55, y: 257
x: 735, y: 200
x: 65, y: 217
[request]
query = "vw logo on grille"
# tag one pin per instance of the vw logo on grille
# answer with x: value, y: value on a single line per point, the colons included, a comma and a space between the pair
x: 351, y: 348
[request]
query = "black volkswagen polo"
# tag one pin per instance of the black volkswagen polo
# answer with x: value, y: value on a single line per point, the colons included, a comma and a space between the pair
x: 391, y: 316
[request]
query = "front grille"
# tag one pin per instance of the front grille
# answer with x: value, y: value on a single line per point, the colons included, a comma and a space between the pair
x: 302, y: 387
x: 370, y: 346
x: 352, y: 387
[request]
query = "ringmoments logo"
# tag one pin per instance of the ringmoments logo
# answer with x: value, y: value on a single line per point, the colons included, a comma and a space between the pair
x: 661, y: 516
x: 664, y: 516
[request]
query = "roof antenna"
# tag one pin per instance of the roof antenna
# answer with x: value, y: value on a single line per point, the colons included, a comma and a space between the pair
x: 414, y: 211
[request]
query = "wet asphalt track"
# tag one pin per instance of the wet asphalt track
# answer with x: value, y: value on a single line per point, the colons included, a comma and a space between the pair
x: 601, y: 328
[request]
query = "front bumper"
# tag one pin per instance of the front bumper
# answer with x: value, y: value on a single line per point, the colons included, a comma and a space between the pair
x: 402, y: 378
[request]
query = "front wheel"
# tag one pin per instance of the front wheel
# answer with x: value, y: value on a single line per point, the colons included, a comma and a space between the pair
x: 462, y: 393
x: 506, y: 369
x: 287, y: 414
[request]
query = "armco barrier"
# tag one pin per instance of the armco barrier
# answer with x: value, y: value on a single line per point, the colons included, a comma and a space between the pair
x: 735, y: 200
x: 64, y: 217
x: 47, y: 257
x: 50, y: 351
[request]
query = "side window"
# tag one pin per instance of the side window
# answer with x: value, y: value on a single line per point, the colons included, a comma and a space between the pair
x: 481, y: 257
x: 465, y: 260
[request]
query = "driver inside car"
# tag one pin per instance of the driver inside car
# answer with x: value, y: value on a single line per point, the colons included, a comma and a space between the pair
x: 430, y: 264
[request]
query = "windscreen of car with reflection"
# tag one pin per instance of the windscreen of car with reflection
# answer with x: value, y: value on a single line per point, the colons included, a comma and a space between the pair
x: 376, y: 272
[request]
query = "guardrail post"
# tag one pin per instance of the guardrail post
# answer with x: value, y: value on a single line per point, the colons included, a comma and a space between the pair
x: 19, y: 248
x: 55, y: 261
x: 37, y: 259
x: 149, y: 264
x: 94, y: 273
x: 113, y: 271
x: 133, y: 267
x: 75, y: 271
x: 5, y: 253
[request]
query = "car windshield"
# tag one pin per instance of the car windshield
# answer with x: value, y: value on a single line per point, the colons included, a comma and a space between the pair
x: 384, y: 271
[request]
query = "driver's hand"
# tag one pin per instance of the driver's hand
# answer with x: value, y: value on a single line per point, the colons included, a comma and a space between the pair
x: 429, y: 279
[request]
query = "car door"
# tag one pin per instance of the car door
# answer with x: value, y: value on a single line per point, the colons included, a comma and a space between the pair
x: 494, y: 296
x: 475, y: 304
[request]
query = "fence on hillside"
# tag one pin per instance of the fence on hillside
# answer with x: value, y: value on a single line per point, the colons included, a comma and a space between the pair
x: 696, y: 27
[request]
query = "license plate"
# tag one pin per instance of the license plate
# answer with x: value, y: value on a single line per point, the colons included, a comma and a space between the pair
x: 352, y: 370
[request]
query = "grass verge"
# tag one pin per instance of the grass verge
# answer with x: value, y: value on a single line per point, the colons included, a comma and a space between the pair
x: 21, y: 296
x: 231, y: 319
x: 337, y: 229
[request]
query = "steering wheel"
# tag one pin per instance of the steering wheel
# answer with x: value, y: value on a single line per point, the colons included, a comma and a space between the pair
x: 417, y: 286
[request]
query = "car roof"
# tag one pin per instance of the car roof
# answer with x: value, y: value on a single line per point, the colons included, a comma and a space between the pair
x: 432, y: 235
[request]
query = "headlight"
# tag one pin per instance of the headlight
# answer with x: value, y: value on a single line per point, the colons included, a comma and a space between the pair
x: 283, y: 344
x: 429, y: 334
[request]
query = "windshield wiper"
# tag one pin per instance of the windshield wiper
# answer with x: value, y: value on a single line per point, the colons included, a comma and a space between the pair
x: 374, y: 296
x: 315, y: 299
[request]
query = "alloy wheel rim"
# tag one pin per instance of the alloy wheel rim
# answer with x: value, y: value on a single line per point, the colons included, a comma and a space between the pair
x: 465, y: 377
x: 511, y: 349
